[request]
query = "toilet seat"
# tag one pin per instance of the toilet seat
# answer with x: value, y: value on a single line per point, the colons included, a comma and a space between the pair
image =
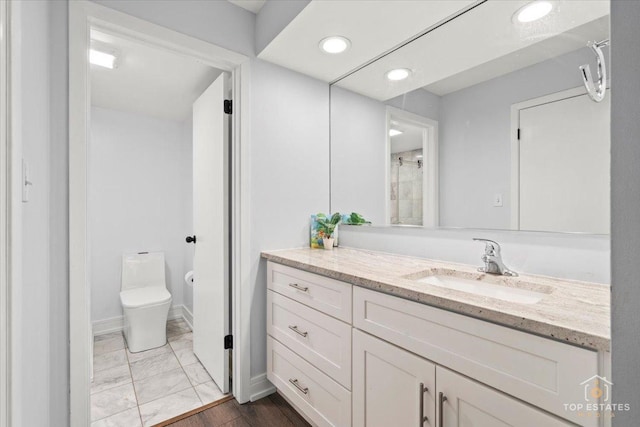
x: 143, y: 297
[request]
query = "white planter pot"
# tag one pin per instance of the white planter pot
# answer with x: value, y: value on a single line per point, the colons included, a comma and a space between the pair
x: 327, y: 243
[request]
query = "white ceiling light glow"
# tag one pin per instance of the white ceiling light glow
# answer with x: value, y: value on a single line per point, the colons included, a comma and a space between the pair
x: 102, y: 59
x: 335, y: 44
x: 398, y: 74
x: 533, y: 11
x: 395, y: 132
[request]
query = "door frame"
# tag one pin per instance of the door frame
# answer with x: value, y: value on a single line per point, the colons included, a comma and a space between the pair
x: 84, y: 15
x: 430, y: 201
x: 10, y: 213
x: 515, y: 142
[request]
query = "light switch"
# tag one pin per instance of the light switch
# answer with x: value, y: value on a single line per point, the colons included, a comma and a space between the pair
x: 26, y: 182
x: 497, y: 200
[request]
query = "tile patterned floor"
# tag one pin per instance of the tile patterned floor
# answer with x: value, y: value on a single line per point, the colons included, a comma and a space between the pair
x: 142, y: 389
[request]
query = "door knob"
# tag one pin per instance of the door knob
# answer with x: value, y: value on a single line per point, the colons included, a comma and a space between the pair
x: 191, y: 239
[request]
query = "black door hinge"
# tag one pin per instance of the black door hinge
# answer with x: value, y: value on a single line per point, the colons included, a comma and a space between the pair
x: 228, y: 342
x: 228, y: 106
x: 518, y: 134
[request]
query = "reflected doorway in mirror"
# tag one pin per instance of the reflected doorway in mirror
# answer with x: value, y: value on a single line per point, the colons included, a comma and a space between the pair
x: 412, y: 169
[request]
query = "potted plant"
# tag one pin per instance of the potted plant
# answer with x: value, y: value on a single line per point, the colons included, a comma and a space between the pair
x: 355, y: 219
x: 326, y: 227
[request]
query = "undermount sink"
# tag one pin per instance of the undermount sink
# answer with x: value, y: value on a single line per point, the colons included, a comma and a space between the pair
x: 511, y: 290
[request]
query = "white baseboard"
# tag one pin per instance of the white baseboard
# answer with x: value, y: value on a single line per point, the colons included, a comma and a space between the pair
x: 115, y: 324
x: 187, y: 315
x: 260, y: 387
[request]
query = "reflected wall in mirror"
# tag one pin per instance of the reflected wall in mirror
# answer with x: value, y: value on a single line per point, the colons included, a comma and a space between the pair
x: 497, y: 109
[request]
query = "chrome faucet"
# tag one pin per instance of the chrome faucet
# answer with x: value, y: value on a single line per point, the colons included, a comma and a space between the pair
x: 493, y: 259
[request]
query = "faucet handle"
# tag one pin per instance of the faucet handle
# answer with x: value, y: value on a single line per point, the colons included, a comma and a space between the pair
x: 492, y: 247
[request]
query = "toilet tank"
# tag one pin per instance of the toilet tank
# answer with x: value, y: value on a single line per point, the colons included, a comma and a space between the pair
x: 144, y: 269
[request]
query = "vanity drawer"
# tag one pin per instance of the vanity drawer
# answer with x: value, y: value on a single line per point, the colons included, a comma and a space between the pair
x: 320, y: 339
x: 320, y: 398
x: 540, y: 371
x: 326, y: 295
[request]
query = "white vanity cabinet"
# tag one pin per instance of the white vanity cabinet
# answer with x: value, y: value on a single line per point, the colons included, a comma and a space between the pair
x: 391, y: 387
x: 309, y: 343
x: 346, y: 355
x: 462, y: 402
x: 539, y: 371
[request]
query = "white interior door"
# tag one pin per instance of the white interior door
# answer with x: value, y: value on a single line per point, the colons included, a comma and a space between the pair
x: 211, y: 228
x: 564, y: 166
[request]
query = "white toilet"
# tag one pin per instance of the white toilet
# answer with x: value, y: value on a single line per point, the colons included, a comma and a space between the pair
x: 145, y: 300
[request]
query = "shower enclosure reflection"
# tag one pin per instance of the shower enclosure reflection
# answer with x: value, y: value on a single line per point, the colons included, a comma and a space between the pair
x: 406, y: 177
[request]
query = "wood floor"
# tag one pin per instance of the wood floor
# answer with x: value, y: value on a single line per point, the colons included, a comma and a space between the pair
x: 271, y: 411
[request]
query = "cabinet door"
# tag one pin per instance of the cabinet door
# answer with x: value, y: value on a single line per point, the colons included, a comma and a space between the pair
x: 391, y: 387
x: 465, y: 403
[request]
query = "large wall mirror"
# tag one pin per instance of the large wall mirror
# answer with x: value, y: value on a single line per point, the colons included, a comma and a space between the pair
x: 482, y: 122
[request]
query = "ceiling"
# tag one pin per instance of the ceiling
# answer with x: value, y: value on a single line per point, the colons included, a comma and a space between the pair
x: 250, y: 5
x: 147, y: 80
x: 482, y: 44
x: 372, y: 26
x: 410, y: 139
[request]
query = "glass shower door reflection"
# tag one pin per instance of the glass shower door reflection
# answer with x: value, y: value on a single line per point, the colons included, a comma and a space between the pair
x: 406, y: 188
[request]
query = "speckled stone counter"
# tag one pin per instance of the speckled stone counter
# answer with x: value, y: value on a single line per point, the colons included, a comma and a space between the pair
x: 570, y: 311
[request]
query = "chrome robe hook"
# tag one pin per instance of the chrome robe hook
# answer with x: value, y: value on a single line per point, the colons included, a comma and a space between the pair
x: 596, y: 90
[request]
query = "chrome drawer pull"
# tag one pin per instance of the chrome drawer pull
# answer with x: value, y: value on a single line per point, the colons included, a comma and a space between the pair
x: 295, y: 329
x: 298, y: 287
x: 422, y: 418
x: 305, y: 390
x: 442, y: 398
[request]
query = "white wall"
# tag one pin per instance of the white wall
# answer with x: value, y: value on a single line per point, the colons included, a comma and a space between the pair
x: 358, y: 155
x: 139, y: 175
x: 33, y: 338
x: 218, y: 22
x: 187, y: 200
x: 420, y: 102
x: 274, y: 16
x: 625, y: 216
x: 290, y: 174
x: 475, y: 139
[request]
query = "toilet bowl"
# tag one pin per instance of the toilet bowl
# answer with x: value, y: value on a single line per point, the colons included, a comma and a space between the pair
x: 145, y: 300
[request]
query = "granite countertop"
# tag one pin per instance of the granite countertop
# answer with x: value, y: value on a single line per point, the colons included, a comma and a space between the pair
x: 570, y: 311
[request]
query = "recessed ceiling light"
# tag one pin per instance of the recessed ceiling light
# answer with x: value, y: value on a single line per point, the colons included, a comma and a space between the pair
x: 398, y: 74
x: 103, y: 59
x: 395, y: 132
x: 335, y: 44
x: 533, y: 11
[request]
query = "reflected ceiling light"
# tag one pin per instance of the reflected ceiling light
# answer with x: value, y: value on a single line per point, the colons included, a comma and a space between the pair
x: 398, y: 74
x: 103, y: 59
x: 532, y: 11
x: 335, y: 44
x: 395, y: 132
